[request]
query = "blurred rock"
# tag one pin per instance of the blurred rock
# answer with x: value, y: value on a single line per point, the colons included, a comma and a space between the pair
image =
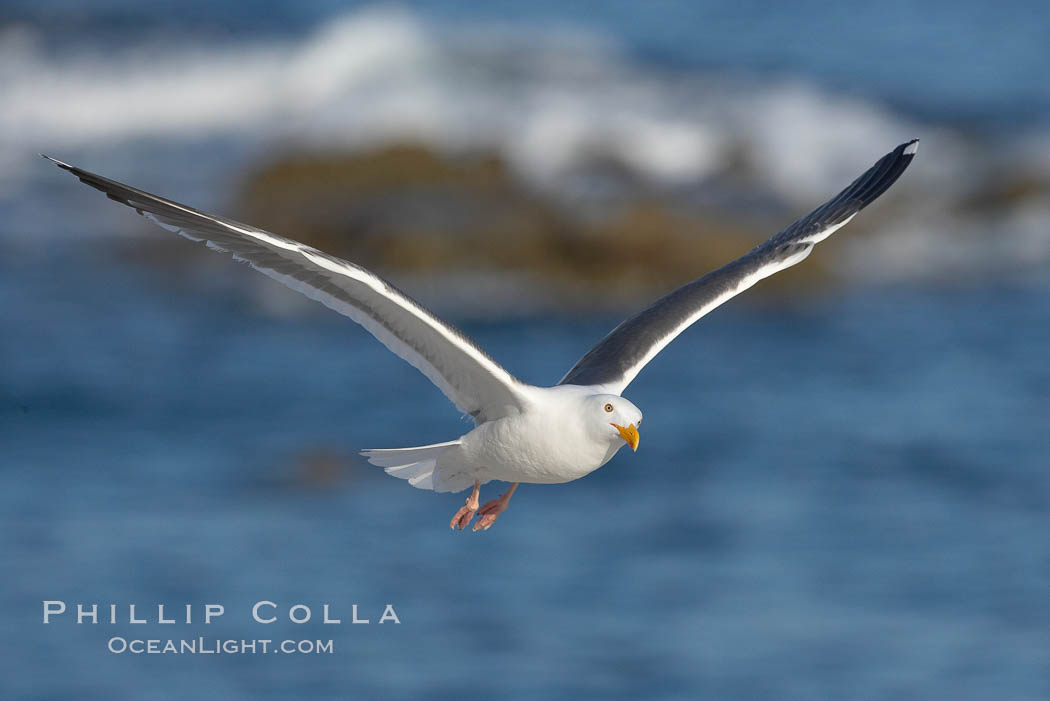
x: 410, y: 212
x: 321, y: 467
x: 1005, y: 191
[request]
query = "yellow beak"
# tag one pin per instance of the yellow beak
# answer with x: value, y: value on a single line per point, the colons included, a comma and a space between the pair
x: 629, y: 434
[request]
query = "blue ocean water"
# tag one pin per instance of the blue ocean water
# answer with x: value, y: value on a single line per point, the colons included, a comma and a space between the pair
x: 839, y: 498
x: 841, y: 495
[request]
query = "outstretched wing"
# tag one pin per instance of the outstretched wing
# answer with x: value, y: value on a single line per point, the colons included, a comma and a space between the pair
x: 621, y: 355
x: 472, y: 380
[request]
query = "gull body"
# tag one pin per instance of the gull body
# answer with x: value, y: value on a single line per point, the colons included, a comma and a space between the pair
x: 522, y: 433
x: 578, y: 437
x: 558, y: 435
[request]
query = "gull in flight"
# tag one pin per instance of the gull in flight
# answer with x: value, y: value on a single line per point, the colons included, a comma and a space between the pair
x: 522, y: 432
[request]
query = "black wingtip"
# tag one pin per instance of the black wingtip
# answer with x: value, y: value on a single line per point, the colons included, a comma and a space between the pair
x: 60, y: 164
x: 910, y: 148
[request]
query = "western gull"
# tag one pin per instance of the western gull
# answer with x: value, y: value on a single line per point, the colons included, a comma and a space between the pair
x: 522, y: 432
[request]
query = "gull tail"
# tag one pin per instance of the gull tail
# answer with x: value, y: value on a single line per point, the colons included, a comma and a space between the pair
x: 417, y: 465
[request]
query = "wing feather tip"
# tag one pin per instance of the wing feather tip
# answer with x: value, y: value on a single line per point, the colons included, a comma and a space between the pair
x: 60, y: 164
x: 911, y: 147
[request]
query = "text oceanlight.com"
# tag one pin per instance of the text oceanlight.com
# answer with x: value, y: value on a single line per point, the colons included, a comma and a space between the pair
x: 215, y: 646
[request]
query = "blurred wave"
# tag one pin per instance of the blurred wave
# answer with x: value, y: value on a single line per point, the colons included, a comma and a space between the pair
x: 575, y: 114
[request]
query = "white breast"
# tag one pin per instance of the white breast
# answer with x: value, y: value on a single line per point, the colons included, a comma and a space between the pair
x: 545, y: 444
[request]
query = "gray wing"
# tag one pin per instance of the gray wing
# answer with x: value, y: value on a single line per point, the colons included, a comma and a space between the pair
x: 472, y: 380
x: 621, y: 355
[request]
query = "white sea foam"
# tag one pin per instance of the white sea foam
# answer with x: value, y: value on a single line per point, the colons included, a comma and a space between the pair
x: 382, y: 74
x: 551, y: 103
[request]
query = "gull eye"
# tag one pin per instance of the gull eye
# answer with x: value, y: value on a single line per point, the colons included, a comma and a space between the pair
x: 608, y: 408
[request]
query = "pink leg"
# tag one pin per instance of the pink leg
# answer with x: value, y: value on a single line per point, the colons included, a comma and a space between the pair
x: 492, y: 509
x: 466, y: 513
